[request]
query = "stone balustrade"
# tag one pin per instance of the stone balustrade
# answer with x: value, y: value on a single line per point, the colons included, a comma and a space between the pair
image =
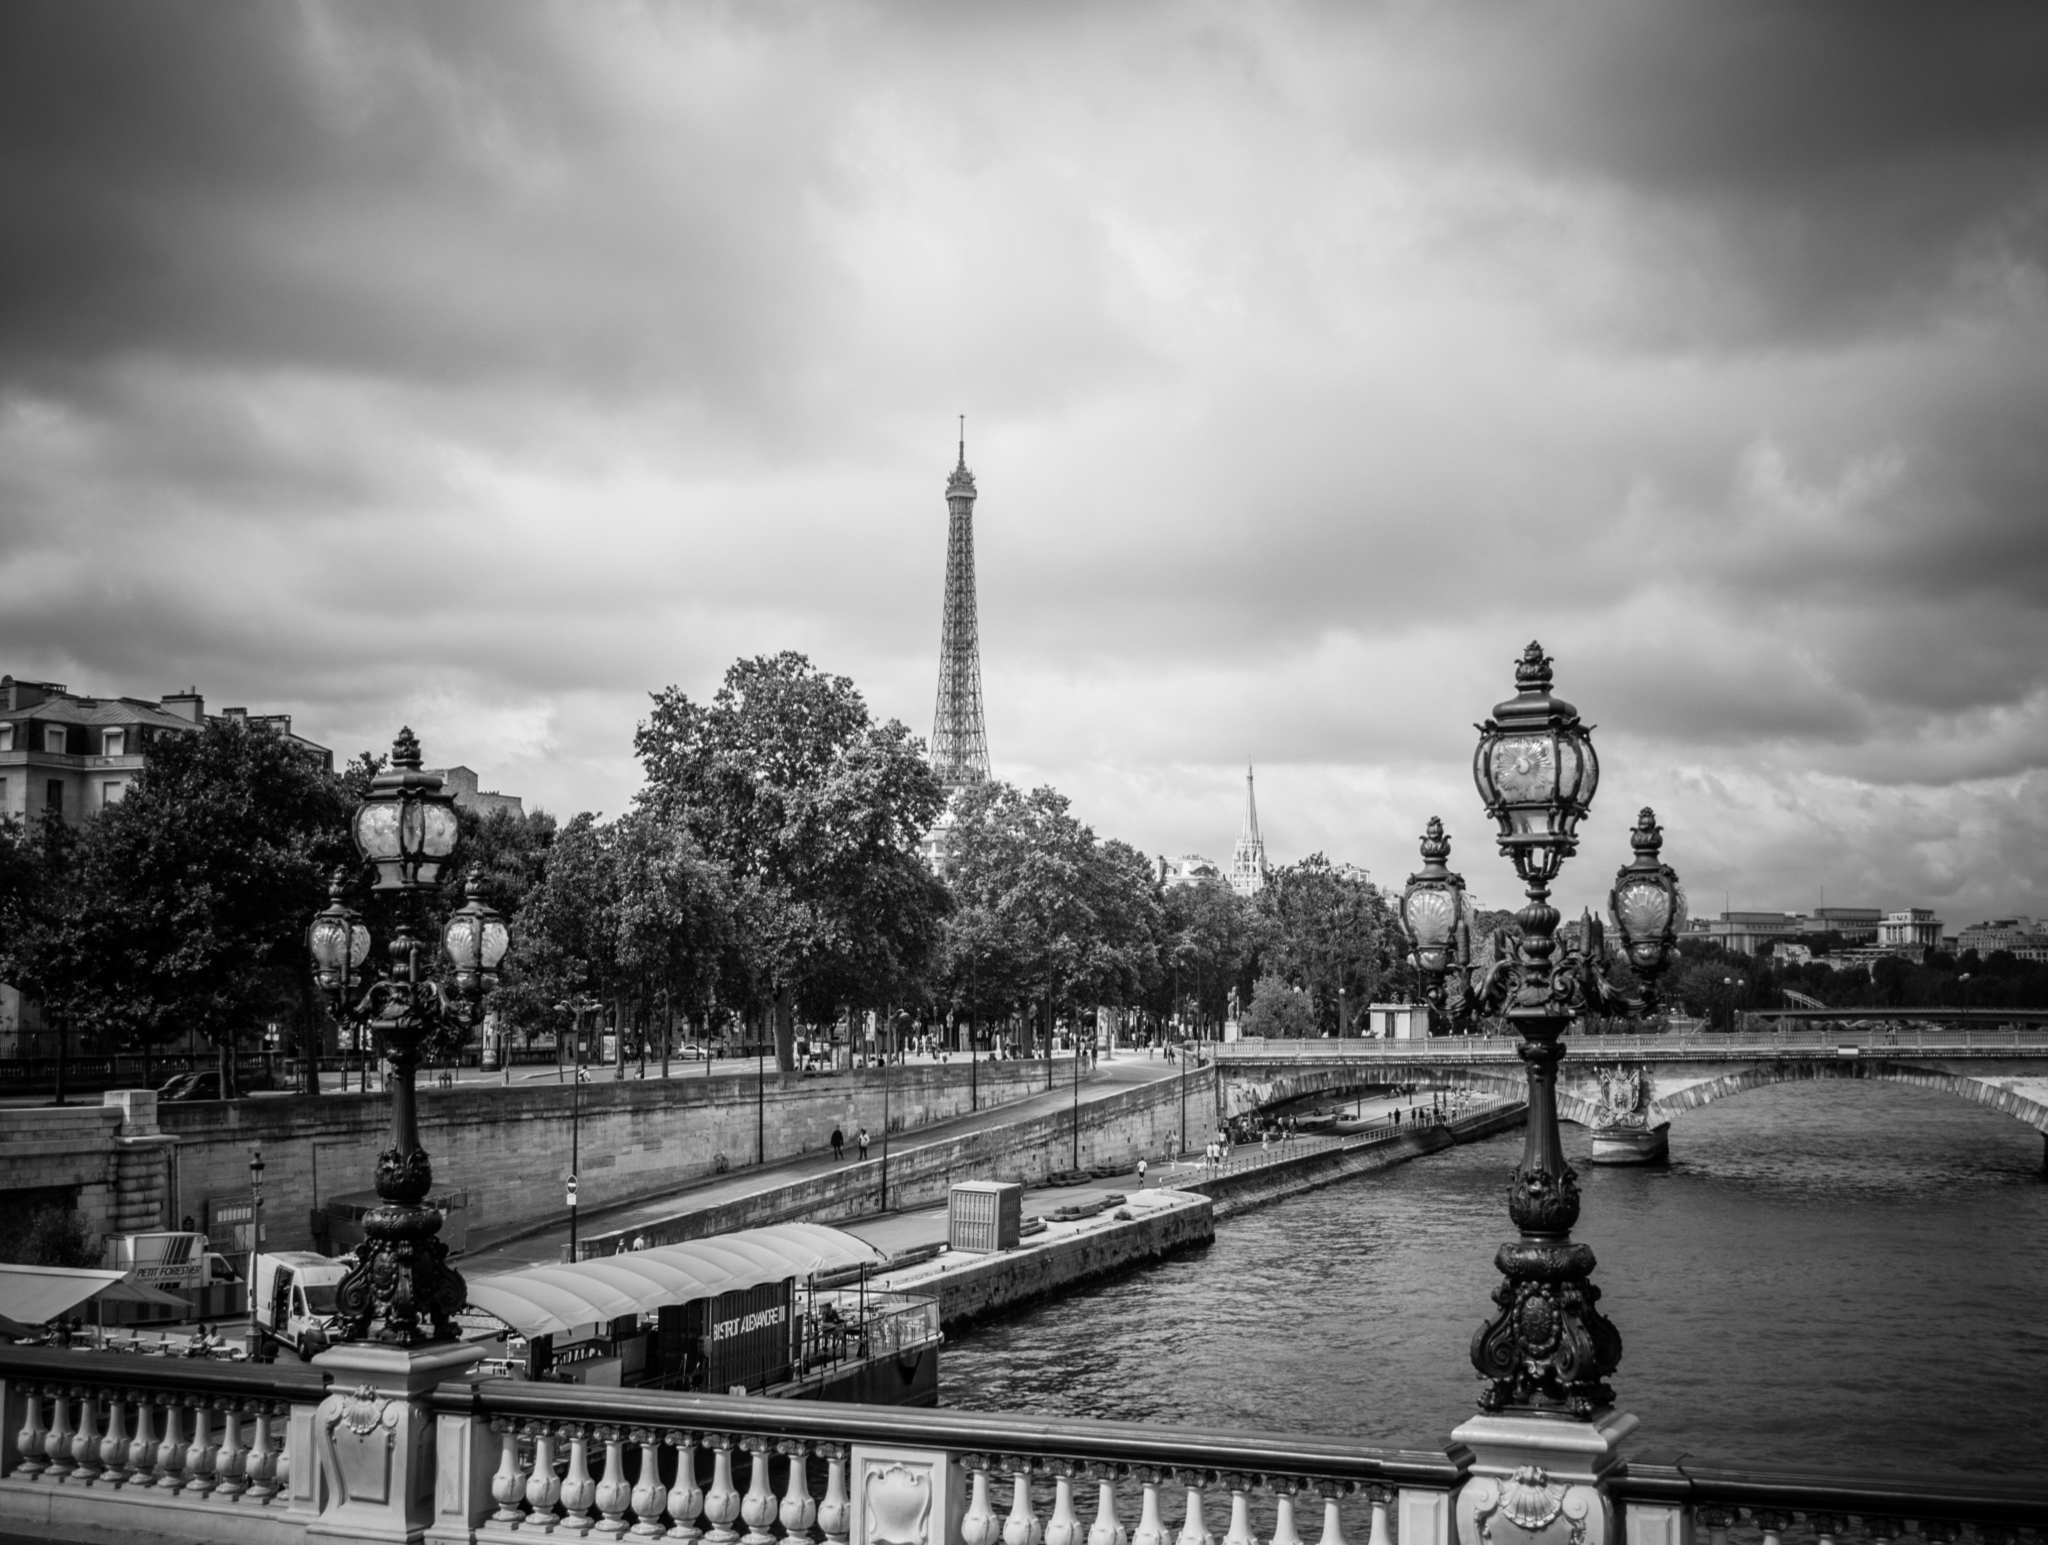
x: 375, y: 1443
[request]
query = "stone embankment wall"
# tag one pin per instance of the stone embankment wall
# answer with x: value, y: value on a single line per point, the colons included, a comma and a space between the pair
x: 969, y: 1287
x: 108, y: 1162
x: 1288, y: 1177
x: 1144, y: 1121
x: 508, y: 1147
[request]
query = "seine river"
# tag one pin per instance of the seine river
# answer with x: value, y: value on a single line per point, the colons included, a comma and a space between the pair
x: 1843, y: 1275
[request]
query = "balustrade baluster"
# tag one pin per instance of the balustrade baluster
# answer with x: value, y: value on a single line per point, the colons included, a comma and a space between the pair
x: 170, y: 1454
x: 1828, y: 1527
x: 579, y: 1489
x: 1333, y: 1522
x: 281, y: 1463
x: 685, y: 1496
x: 114, y: 1443
x: 798, y: 1511
x: 1021, y: 1527
x: 229, y: 1464
x: 1885, y: 1529
x: 199, y: 1454
x: 28, y: 1442
x: 543, y: 1486
x: 648, y: 1492
x: 1240, y: 1531
x: 1065, y: 1526
x: 142, y: 1448
x: 508, y: 1481
x: 262, y: 1463
x: 721, y: 1498
x: 1107, y: 1529
x: 614, y: 1492
x: 978, y: 1524
x: 1772, y: 1524
x: 1715, y: 1520
x: 757, y: 1508
x: 57, y: 1441
x: 1194, y: 1530
x: 1380, y: 1497
x: 85, y: 1442
x: 834, y: 1516
x: 1284, y: 1532
x: 1151, y: 1528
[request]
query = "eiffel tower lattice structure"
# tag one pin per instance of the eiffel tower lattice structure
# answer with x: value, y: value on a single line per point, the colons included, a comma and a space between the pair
x: 959, y: 738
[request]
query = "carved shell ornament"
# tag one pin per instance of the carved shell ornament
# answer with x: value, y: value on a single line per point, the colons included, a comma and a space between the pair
x: 361, y: 1412
x: 1531, y: 1501
x: 899, y: 1504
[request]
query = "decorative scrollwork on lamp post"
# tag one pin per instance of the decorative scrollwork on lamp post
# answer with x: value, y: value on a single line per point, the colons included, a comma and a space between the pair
x: 1548, y: 1349
x: 402, y: 1289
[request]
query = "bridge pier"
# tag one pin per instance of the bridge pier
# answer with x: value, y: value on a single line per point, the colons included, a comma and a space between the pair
x: 1632, y: 1145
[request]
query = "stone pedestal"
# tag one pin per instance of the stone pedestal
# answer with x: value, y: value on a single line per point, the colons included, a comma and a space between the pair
x: 371, y: 1446
x: 1632, y: 1145
x: 1537, y: 1480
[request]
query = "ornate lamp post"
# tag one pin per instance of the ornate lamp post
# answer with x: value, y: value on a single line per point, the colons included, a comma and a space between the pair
x: 402, y: 1289
x: 1547, y: 1353
x: 1549, y: 1350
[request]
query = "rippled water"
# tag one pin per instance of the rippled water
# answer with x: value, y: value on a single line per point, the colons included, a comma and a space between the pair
x: 1835, y: 1274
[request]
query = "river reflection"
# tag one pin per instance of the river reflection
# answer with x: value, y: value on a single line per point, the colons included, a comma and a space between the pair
x: 1837, y: 1274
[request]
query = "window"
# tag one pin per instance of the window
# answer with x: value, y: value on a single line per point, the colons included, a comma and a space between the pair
x: 111, y: 792
x: 114, y: 743
x: 6, y: 737
x: 3, y: 796
x: 55, y: 739
x: 53, y: 795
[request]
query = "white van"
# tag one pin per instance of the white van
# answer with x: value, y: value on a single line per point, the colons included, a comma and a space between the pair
x: 295, y: 1303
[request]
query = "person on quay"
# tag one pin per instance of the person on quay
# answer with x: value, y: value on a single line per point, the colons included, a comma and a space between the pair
x: 838, y: 1145
x: 860, y: 1139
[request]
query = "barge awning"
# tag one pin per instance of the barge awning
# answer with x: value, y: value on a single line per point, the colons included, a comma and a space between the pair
x: 552, y: 1300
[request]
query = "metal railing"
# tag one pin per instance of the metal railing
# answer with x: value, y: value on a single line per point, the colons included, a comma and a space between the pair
x: 1862, y: 1040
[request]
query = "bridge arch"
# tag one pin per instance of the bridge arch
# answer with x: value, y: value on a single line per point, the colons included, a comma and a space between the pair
x: 2028, y: 1108
x: 1502, y: 1080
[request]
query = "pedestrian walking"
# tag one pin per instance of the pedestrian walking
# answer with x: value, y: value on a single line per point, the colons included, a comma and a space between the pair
x: 861, y: 1138
x: 1141, y: 1174
x: 838, y: 1145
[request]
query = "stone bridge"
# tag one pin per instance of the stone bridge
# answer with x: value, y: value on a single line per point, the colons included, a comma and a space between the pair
x: 1627, y: 1088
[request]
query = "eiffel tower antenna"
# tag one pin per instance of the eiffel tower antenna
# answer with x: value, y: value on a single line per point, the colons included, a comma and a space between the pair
x: 959, y: 739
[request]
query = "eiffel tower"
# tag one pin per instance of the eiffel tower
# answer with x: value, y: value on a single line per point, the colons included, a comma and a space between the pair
x: 959, y: 739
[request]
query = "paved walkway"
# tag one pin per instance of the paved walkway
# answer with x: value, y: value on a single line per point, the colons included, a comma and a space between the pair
x: 503, y: 1250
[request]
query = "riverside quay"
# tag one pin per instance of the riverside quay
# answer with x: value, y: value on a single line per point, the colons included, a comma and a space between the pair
x: 406, y: 1421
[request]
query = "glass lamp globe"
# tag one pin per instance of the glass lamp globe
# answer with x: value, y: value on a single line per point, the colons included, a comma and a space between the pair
x: 1647, y: 902
x: 407, y: 827
x: 1536, y: 771
x: 1433, y: 904
x: 475, y: 940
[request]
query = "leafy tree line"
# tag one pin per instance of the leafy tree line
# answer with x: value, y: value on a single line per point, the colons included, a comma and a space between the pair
x: 769, y: 876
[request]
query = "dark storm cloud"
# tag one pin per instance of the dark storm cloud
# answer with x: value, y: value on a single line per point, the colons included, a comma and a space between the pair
x: 1316, y: 356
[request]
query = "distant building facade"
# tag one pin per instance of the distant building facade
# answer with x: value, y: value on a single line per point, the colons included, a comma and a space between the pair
x: 1188, y: 869
x: 461, y: 782
x: 1914, y: 932
x: 2021, y: 937
x: 75, y: 755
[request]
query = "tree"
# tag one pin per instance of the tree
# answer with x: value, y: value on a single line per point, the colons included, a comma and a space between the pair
x: 185, y: 904
x: 815, y: 814
x: 1279, y: 1012
x: 1326, y: 926
x: 1207, y: 941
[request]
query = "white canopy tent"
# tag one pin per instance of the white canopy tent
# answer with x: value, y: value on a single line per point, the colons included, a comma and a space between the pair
x: 553, y: 1300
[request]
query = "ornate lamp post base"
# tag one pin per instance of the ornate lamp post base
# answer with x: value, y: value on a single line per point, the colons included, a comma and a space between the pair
x: 1538, y: 1481
x: 375, y: 1433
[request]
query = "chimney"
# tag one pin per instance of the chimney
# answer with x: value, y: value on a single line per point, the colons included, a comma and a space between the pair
x: 188, y: 705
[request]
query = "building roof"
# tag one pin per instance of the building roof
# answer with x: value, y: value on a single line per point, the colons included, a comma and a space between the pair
x: 97, y: 710
x: 552, y: 1300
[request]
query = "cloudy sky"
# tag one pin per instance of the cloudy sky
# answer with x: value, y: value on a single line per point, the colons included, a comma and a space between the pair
x: 485, y: 367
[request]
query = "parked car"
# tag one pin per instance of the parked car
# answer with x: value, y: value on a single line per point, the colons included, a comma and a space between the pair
x: 206, y: 1085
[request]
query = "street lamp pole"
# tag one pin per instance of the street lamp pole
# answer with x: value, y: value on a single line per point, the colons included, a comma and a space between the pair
x: 1548, y: 1351
x: 255, y: 1246
x: 401, y: 1289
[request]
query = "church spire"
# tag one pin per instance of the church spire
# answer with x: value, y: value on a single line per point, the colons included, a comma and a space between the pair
x: 1248, y: 859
